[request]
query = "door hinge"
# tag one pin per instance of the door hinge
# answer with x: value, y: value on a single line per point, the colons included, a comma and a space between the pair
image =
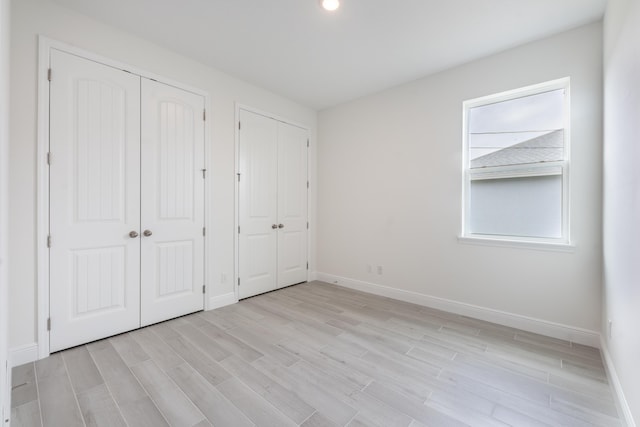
x: 204, y: 231
x: 238, y: 281
x: 49, y: 74
x: 49, y: 158
x: 307, y: 184
x: 203, y: 289
x: 204, y: 173
x: 238, y: 177
x: 48, y: 323
x: 49, y: 240
x: 204, y: 115
x: 239, y: 126
x: 307, y: 225
x: 238, y: 229
x: 307, y: 265
x: 307, y: 142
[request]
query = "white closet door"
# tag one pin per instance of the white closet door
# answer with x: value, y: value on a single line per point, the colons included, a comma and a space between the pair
x: 172, y: 200
x: 258, y: 204
x: 94, y: 201
x: 292, y: 205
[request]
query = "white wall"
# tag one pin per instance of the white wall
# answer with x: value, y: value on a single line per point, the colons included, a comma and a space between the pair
x: 622, y: 195
x: 389, y: 167
x: 5, y: 386
x: 33, y: 17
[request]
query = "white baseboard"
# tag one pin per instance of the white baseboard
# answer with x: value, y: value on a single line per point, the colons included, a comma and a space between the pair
x: 219, y: 301
x: 24, y: 354
x: 313, y: 276
x: 615, y: 383
x: 530, y: 324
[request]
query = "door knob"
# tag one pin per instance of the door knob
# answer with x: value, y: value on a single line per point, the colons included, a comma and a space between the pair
x: 147, y: 233
x: 274, y: 226
x: 133, y: 234
x: 280, y: 225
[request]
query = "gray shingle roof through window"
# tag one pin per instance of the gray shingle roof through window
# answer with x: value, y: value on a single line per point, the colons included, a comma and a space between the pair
x: 545, y: 148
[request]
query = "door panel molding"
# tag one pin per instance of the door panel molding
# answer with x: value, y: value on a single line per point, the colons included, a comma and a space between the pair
x: 45, y: 48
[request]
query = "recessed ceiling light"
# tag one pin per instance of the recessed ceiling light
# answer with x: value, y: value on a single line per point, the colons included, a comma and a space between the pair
x: 330, y: 5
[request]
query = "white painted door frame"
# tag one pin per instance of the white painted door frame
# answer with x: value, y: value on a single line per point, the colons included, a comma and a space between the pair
x: 5, y: 366
x: 45, y: 45
x: 239, y: 107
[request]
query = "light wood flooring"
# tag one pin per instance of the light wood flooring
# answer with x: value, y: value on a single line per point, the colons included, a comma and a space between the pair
x: 318, y: 355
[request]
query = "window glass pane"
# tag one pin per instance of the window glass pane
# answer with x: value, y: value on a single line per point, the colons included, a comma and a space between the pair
x: 518, y: 131
x: 524, y: 207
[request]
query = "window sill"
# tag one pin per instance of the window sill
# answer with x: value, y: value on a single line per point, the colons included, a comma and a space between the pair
x: 522, y: 244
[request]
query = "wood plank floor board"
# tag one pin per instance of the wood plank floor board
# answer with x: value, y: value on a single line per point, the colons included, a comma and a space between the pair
x: 159, y: 351
x: 84, y: 373
x: 26, y: 415
x: 200, y: 361
x: 265, y: 342
x: 171, y: 400
x: 317, y: 354
x: 410, y: 388
x: 420, y: 413
x: 586, y: 414
x: 128, y: 349
x: 256, y: 408
x: 283, y: 398
x: 466, y: 415
x: 376, y: 413
x: 538, y: 410
x: 212, y: 403
x: 143, y: 413
x: 323, y: 379
x: 135, y: 404
x: 327, y: 404
x: 58, y: 403
x: 586, y: 385
x: 326, y: 364
x: 513, y: 418
x: 203, y: 342
x: 23, y: 384
x: 517, y: 368
x: 318, y: 420
x: 98, y: 408
x: 231, y: 343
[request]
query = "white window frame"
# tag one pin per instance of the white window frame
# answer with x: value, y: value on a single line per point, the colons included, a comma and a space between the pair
x: 562, y: 168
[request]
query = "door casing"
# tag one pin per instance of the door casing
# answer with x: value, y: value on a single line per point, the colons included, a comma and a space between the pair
x: 45, y: 45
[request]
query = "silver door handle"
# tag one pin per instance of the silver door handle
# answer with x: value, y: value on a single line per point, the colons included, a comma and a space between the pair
x: 274, y: 226
x: 147, y: 233
x: 133, y: 234
x: 280, y: 225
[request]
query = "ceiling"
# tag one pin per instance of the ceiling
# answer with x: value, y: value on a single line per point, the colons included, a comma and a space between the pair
x: 321, y: 59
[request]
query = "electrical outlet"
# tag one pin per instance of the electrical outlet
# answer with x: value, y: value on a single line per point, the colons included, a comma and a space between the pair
x: 379, y: 270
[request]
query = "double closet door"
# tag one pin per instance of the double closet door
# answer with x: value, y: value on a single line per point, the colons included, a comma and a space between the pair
x: 126, y: 201
x: 273, y: 187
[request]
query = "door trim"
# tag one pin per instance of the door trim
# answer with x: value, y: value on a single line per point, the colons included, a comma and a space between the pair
x: 45, y: 45
x: 236, y: 217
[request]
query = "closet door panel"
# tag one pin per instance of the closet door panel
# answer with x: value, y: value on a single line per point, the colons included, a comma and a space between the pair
x: 172, y: 202
x: 94, y: 201
x: 258, y: 148
x: 292, y: 205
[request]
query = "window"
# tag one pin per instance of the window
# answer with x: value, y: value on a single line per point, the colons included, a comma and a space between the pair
x: 516, y: 161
